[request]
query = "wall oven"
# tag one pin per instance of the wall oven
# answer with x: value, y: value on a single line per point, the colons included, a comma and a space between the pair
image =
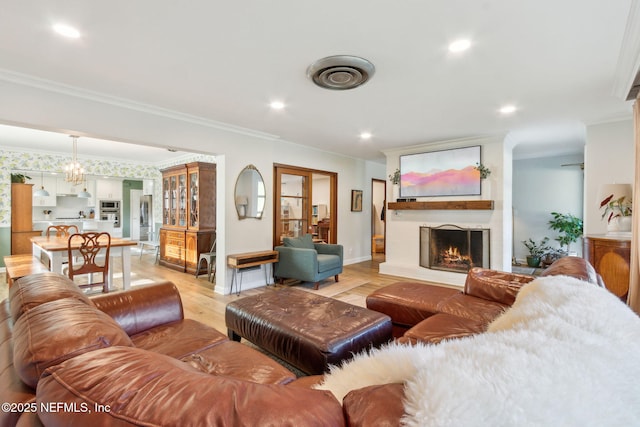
x: 110, y: 211
x: 110, y: 204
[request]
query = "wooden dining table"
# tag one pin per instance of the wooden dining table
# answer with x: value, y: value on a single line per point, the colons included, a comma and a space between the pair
x: 56, y: 248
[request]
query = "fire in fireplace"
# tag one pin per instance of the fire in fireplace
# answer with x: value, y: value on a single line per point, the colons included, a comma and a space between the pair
x: 452, y: 248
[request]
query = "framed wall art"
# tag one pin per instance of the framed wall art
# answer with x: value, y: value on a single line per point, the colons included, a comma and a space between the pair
x: 441, y: 173
x: 356, y: 200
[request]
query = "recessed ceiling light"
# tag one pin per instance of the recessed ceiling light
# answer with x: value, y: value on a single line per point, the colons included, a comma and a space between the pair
x: 508, y: 109
x: 460, y: 45
x: 277, y: 105
x: 365, y: 135
x: 67, y: 31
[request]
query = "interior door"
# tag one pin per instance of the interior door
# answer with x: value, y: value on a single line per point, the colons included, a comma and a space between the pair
x: 293, y: 207
x: 134, y: 213
x: 378, y: 213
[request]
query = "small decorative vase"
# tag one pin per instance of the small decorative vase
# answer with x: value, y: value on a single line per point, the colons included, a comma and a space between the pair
x: 624, y: 223
x: 533, y: 261
x: 47, y: 216
x: 620, y: 224
x: 395, y: 192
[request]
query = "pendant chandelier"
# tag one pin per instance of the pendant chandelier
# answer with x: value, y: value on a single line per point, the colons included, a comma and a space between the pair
x: 84, y: 194
x: 41, y: 192
x: 74, y: 172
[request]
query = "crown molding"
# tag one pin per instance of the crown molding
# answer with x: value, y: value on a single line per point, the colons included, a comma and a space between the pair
x: 629, y: 58
x: 68, y: 90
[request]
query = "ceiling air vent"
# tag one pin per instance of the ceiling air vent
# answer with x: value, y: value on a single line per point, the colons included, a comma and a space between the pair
x: 340, y: 72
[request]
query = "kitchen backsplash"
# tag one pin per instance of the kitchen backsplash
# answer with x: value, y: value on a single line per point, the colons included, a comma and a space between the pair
x: 66, y: 207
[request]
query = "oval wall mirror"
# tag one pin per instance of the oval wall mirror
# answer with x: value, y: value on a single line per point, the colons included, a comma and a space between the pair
x: 250, y: 193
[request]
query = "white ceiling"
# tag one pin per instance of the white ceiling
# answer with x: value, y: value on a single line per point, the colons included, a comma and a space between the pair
x: 556, y: 60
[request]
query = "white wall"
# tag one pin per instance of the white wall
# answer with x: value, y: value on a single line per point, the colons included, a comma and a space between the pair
x: 609, y: 159
x: 541, y: 186
x: 38, y: 105
x: 403, y: 243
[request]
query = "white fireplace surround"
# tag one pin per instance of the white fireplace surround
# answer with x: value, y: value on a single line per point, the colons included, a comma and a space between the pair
x: 402, y: 257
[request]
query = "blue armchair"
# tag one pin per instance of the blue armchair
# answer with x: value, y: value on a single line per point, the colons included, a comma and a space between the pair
x: 301, y: 259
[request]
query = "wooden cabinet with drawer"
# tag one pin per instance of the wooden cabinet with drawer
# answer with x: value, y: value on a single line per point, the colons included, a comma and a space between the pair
x: 172, y: 245
x: 188, y: 214
x: 611, y: 257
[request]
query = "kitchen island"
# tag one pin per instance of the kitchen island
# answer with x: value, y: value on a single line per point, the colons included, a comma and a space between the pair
x: 83, y: 224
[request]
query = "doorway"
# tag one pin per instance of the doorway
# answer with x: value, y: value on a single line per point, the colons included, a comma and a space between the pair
x: 134, y: 213
x: 305, y: 203
x: 378, y: 212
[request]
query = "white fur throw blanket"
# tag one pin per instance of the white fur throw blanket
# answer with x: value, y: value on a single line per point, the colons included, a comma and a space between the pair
x: 566, y: 354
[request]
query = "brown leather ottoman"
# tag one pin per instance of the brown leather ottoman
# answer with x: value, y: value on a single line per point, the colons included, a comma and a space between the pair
x: 306, y: 330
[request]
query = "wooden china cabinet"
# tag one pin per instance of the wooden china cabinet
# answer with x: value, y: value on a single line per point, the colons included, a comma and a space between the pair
x: 188, y: 214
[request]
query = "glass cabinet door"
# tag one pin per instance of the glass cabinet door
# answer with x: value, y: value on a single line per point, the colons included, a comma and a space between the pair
x: 193, y: 199
x: 173, y: 196
x: 182, y: 200
x: 166, y: 206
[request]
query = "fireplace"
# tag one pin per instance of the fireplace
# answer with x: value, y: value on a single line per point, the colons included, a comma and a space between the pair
x: 452, y: 248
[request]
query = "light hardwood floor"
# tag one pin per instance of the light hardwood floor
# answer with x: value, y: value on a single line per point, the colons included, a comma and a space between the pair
x: 202, y: 304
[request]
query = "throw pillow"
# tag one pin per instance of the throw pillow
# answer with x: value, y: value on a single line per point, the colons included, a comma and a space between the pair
x: 302, y: 242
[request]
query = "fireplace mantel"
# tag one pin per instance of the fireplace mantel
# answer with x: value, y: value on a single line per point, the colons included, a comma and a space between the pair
x: 443, y: 205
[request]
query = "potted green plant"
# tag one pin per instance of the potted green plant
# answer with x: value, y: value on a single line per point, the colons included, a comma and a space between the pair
x: 395, y: 177
x: 569, y: 226
x: 536, y: 251
x: 616, y: 210
x: 484, y: 171
x: 395, y: 180
x: 19, y: 178
x: 551, y: 256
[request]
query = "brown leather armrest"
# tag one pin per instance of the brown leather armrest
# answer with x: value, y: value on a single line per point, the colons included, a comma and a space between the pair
x: 142, y: 308
x: 377, y: 405
x: 576, y: 267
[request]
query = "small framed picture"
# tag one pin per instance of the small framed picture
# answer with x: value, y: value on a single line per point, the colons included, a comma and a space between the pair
x: 356, y: 200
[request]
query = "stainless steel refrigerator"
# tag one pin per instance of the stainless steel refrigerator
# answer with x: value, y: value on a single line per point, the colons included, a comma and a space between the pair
x: 146, y: 218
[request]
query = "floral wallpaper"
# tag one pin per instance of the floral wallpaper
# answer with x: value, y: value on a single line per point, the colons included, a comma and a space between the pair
x: 18, y: 161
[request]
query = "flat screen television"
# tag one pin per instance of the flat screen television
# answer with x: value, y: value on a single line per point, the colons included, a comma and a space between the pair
x: 440, y: 173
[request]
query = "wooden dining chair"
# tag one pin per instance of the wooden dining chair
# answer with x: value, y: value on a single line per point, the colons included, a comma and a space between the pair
x: 89, y: 254
x: 60, y: 230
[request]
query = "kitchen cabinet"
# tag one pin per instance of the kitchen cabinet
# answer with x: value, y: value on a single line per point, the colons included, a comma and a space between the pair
x: 49, y: 183
x: 108, y: 189
x: 188, y: 214
x: 22, y: 218
x: 147, y: 187
x: 68, y: 188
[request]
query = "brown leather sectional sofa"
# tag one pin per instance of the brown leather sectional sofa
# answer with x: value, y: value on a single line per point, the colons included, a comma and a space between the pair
x: 131, y: 358
x: 426, y: 313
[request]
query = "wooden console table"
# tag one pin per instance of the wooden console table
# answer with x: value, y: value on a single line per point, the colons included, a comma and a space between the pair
x: 611, y: 257
x: 239, y: 262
